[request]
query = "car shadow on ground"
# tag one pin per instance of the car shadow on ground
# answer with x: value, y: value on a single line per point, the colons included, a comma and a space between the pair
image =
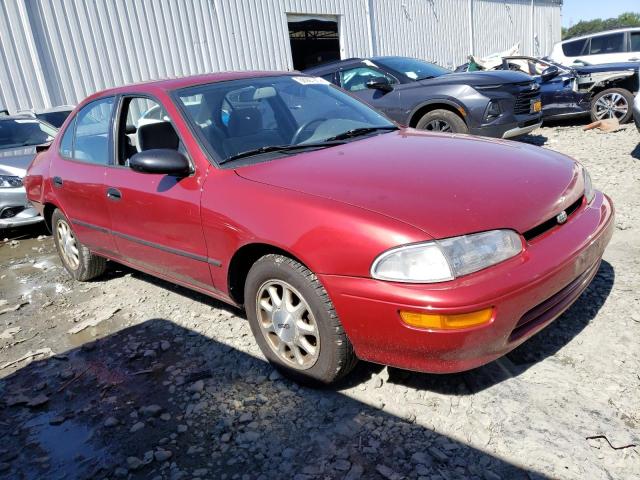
x: 545, y: 344
x: 158, y: 401
x: 533, y: 139
x: 541, y: 346
x: 635, y: 153
x: 24, y: 233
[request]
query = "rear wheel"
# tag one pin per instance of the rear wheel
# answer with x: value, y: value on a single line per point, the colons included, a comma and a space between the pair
x: 442, y: 121
x: 77, y: 259
x: 294, y: 322
x: 612, y: 103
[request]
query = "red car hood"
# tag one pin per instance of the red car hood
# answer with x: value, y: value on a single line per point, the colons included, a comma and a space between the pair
x: 443, y: 185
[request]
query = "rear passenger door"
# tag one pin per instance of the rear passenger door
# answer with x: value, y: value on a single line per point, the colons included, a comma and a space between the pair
x: 78, y: 174
x: 155, y: 217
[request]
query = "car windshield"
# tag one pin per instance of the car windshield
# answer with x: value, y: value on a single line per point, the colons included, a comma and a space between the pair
x: 18, y: 132
x: 412, y: 68
x: 269, y: 116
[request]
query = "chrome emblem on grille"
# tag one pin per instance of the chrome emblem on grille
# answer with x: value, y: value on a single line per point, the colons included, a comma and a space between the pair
x: 561, y: 217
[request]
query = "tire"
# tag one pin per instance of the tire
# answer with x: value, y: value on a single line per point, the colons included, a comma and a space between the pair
x: 332, y: 355
x: 619, y: 96
x: 77, y: 259
x: 430, y: 121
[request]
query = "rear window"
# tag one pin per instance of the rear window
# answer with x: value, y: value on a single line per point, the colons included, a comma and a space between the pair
x: 604, y: 44
x: 575, y: 48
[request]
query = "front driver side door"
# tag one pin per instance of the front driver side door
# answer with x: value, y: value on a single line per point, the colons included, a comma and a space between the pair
x: 155, y: 217
x: 354, y: 81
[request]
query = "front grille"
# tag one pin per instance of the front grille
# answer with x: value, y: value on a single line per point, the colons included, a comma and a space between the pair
x: 522, y: 105
x: 552, y: 222
x: 11, y: 212
x: 555, y: 305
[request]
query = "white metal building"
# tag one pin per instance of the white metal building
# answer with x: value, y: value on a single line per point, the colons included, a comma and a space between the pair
x: 55, y: 52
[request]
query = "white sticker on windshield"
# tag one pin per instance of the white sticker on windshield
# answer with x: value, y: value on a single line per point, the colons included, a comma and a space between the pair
x: 412, y: 75
x: 369, y: 63
x: 311, y: 81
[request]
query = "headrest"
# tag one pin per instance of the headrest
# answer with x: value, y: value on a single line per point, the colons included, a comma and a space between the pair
x: 157, y: 135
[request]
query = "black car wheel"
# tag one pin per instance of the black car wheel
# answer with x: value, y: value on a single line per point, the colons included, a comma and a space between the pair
x: 442, y: 121
x: 612, y: 103
x: 294, y: 323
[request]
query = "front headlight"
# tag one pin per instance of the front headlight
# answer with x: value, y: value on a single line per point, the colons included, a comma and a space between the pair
x: 442, y: 260
x: 589, y: 192
x: 10, y: 181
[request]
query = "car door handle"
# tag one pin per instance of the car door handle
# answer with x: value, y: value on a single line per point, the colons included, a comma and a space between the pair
x: 114, y: 194
x: 57, y: 182
x: 634, y: 59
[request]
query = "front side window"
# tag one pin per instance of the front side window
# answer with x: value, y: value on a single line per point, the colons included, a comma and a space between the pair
x: 92, y: 126
x: 288, y: 112
x: 144, y: 125
x: 574, y: 48
x: 355, y: 79
x: 604, y: 44
x: 19, y: 132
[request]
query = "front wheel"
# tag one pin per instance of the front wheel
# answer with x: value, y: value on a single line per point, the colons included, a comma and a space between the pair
x: 77, y: 259
x: 612, y: 103
x: 442, y: 121
x: 294, y: 323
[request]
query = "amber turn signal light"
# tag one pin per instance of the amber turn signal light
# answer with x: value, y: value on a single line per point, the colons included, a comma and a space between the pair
x: 439, y: 321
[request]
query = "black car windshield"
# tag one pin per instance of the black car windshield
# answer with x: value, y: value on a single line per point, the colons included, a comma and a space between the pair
x: 412, y: 68
x: 22, y: 132
x: 272, y: 116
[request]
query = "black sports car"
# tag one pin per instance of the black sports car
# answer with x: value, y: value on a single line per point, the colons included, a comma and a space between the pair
x: 423, y: 95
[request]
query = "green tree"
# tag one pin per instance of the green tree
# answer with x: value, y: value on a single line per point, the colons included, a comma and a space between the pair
x: 585, y: 27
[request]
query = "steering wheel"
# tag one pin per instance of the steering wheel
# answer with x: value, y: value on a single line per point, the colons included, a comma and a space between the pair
x: 303, y: 127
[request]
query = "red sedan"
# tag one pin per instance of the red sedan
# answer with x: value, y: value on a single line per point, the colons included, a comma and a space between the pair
x: 343, y: 235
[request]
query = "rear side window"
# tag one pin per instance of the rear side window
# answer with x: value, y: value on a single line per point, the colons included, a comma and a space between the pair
x: 87, y: 137
x: 635, y: 41
x: 603, y: 44
x: 575, y: 48
x: 66, y: 144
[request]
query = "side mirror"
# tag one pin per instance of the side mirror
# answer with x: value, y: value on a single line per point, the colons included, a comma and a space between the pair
x: 380, y: 83
x: 549, y: 73
x: 161, y: 161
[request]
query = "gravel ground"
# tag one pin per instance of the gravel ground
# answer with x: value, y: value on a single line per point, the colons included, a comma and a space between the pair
x: 159, y: 382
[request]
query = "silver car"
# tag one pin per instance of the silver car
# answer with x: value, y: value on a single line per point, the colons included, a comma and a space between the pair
x: 19, y: 136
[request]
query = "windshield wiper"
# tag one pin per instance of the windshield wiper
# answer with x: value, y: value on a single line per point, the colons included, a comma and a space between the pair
x: 280, y: 148
x: 356, y: 132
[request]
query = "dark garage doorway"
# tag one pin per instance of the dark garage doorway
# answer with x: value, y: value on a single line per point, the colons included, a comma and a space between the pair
x: 314, y: 40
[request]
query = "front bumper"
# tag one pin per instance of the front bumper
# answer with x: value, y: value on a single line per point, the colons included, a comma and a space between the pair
x: 508, y: 126
x: 526, y: 292
x: 16, y: 198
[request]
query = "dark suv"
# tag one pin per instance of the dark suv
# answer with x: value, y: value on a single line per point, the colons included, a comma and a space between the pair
x: 422, y: 95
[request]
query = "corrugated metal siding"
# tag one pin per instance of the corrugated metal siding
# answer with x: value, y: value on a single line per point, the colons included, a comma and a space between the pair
x: 499, y: 25
x: 59, y: 51
x: 436, y: 30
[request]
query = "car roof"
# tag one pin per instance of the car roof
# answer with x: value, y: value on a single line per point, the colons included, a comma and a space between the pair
x: 19, y: 116
x: 597, y: 34
x: 334, y: 65
x: 169, y: 84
